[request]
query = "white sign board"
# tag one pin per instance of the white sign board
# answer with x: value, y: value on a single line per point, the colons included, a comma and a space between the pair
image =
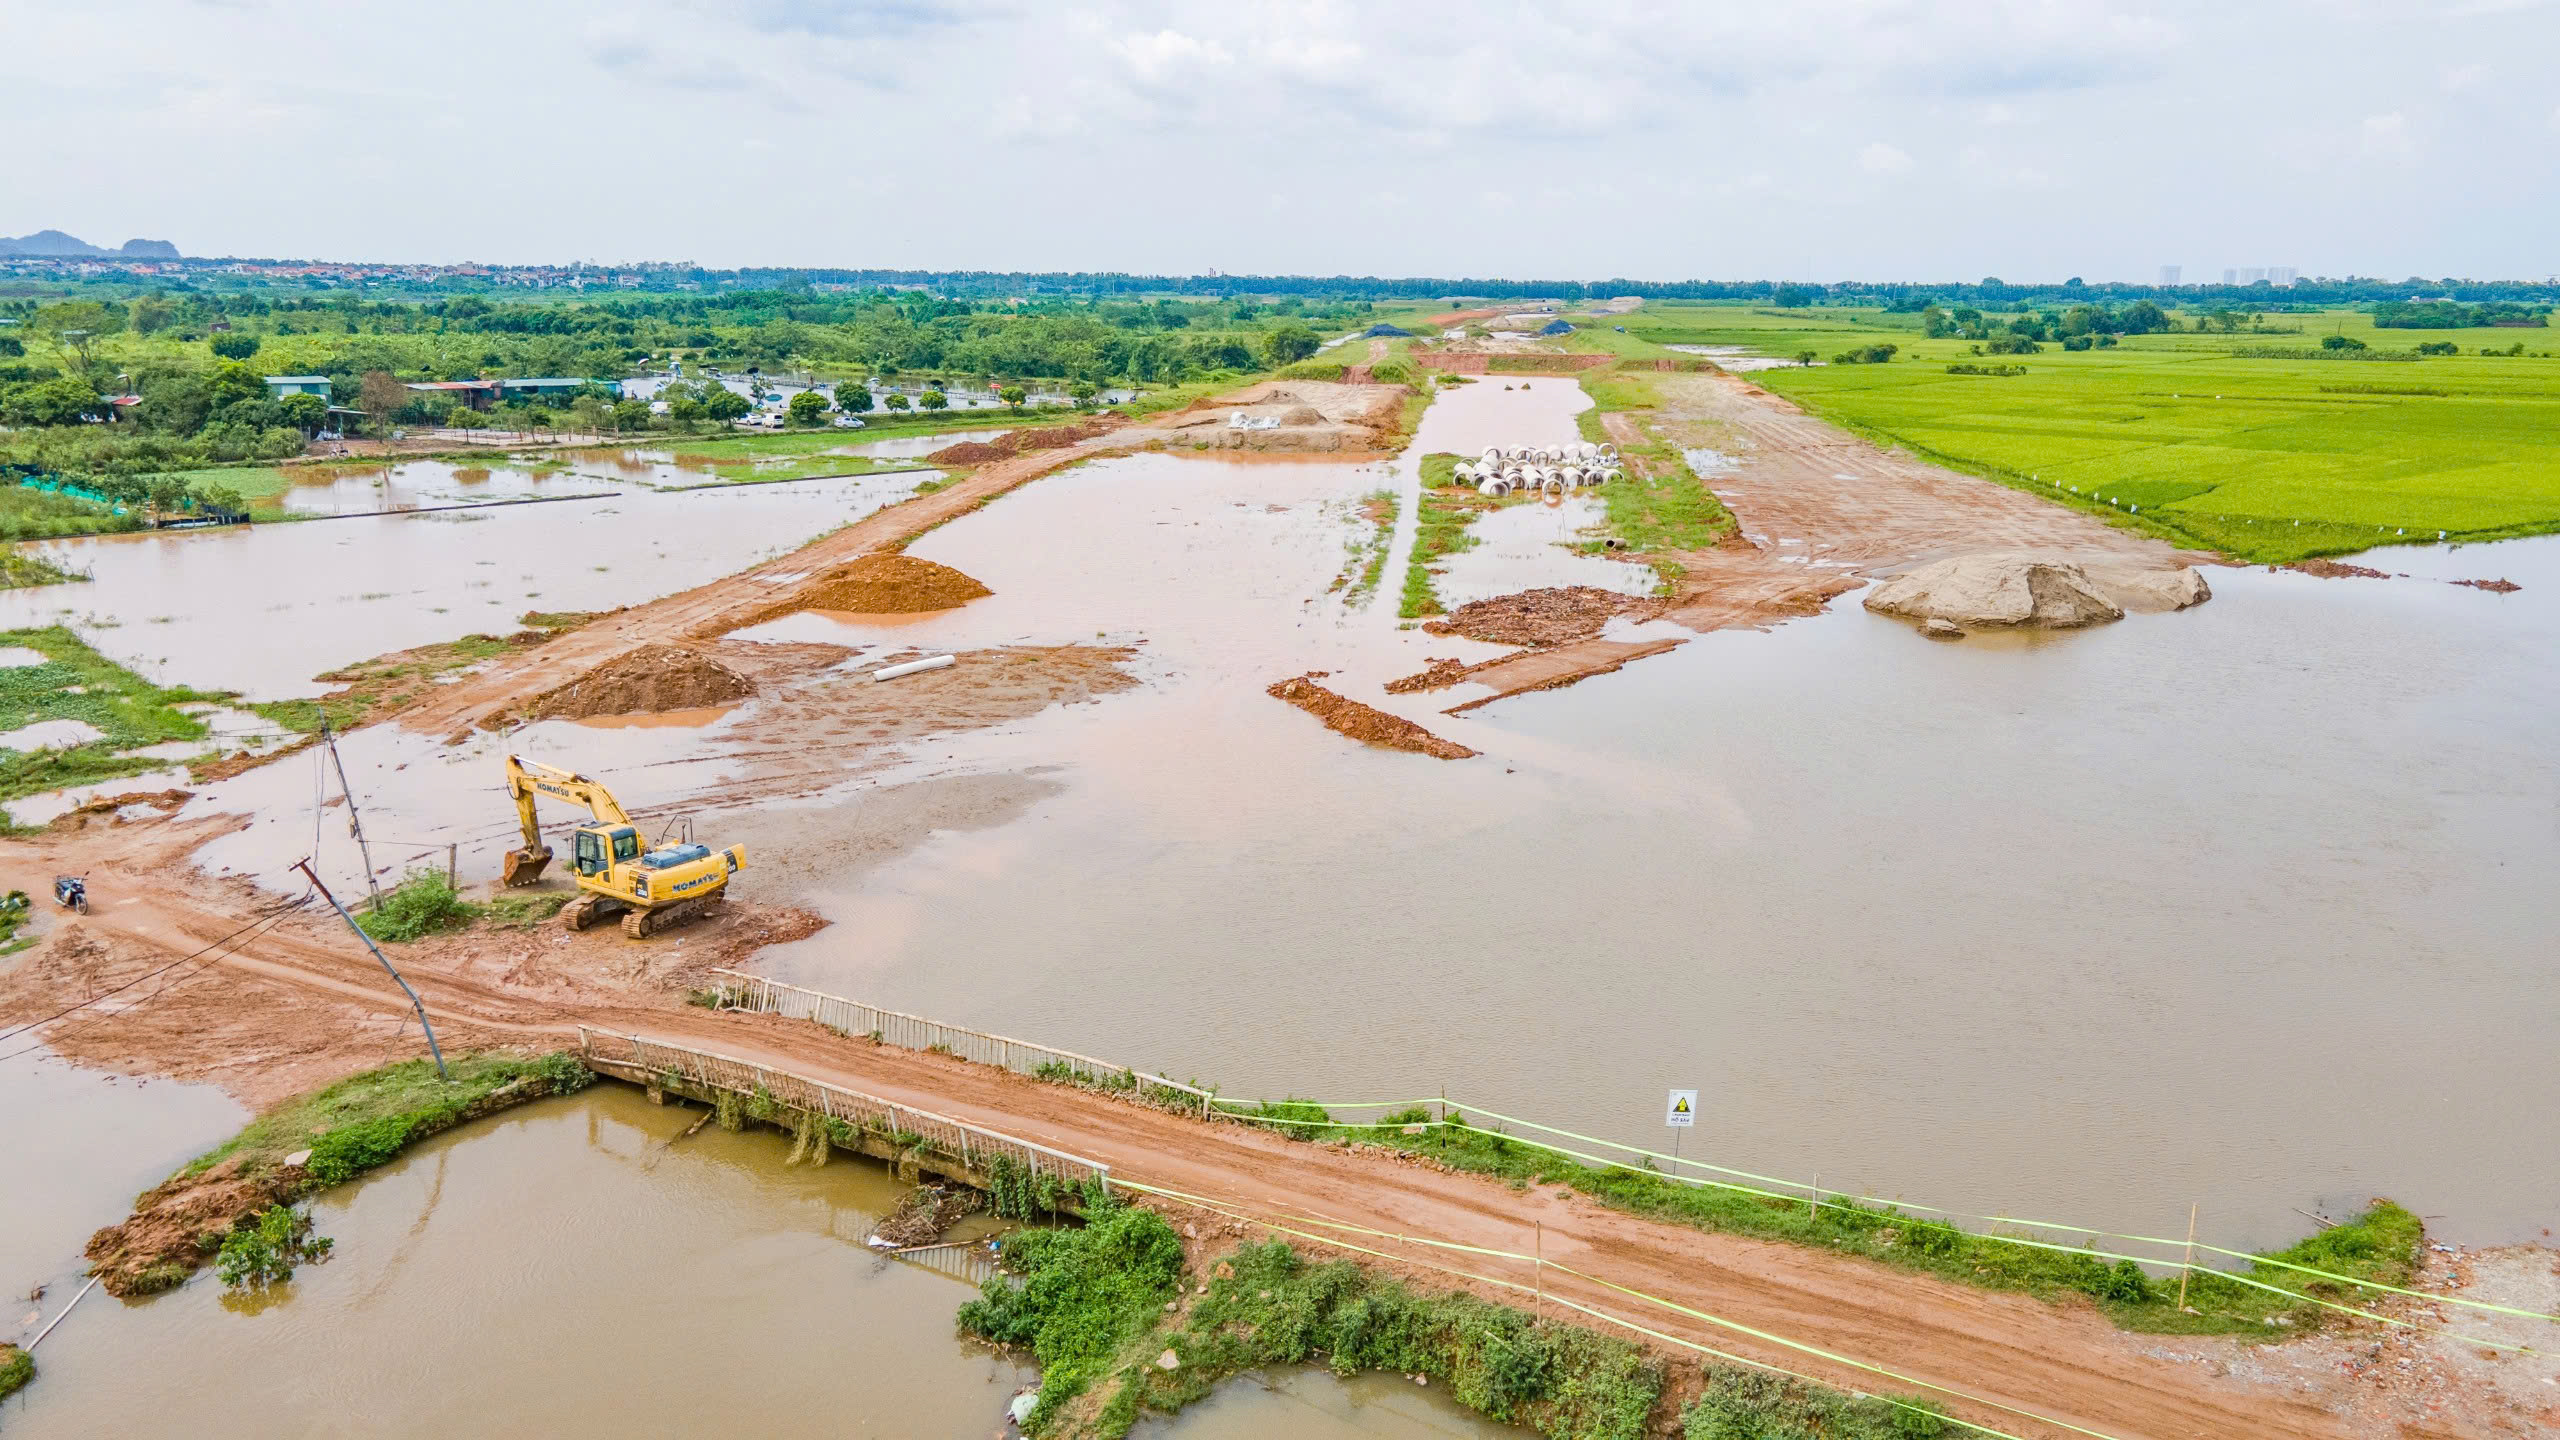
x: 1681, y: 1111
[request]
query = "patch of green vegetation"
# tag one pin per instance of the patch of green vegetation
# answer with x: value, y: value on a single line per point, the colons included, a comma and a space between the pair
x: 17, y: 1367
x: 364, y: 1120
x: 2381, y: 1245
x: 1367, y: 548
x: 424, y: 903
x: 2189, y: 434
x: 1085, y: 1294
x: 1441, y: 529
x: 21, y: 570
x: 1742, y: 1404
x: 1660, y: 508
x: 524, y: 909
x: 265, y: 1249
x: 77, y: 683
x: 1268, y: 1306
x: 375, y: 689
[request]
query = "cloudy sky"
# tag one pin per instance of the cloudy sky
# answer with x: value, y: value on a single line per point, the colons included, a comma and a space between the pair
x: 1812, y: 139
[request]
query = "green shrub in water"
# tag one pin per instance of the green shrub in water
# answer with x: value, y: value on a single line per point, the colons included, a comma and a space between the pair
x: 421, y: 905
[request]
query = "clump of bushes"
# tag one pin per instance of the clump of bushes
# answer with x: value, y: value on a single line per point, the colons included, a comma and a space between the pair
x: 1867, y: 355
x: 1755, y: 1405
x: 424, y: 903
x: 264, y: 1249
x: 1084, y: 1294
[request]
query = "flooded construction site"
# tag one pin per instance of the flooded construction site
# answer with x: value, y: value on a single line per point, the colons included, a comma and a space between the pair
x: 2198, y: 909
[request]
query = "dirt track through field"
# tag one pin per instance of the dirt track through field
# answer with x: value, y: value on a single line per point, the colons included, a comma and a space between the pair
x: 299, y: 1003
x: 1821, y: 511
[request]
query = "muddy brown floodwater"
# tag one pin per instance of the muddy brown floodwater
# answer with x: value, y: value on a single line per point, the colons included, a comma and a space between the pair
x: 562, y: 1271
x: 264, y: 608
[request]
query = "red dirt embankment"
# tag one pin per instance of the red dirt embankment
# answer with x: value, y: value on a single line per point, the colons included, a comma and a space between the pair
x: 1556, y: 615
x: 1018, y: 442
x: 1364, y: 723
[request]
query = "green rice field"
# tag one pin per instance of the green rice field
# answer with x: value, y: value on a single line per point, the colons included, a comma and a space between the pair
x: 2269, y: 459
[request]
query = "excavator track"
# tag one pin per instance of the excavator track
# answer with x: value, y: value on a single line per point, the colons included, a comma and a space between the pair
x: 641, y: 924
x: 582, y: 912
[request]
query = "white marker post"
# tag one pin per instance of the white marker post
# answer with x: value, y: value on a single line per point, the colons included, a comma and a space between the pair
x: 1679, y: 1112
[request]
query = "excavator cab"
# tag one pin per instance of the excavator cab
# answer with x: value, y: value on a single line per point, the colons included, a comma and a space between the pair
x: 599, y: 850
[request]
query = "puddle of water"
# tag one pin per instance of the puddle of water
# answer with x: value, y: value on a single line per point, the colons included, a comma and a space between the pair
x: 14, y: 656
x: 81, y: 1145
x: 1523, y: 547
x: 50, y: 735
x: 297, y: 600
x: 910, y: 447
x: 423, y: 484
x: 1735, y: 357
x: 1315, y: 1405
x: 44, y: 808
x: 1792, y: 868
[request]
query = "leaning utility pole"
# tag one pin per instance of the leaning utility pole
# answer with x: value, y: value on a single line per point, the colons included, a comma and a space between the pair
x: 414, y: 1002
x: 355, y: 821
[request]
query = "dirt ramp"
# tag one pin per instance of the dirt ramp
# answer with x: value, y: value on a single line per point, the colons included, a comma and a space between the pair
x: 1364, y: 723
x: 1554, y: 616
x: 878, y: 584
x: 650, y: 680
x: 1019, y: 442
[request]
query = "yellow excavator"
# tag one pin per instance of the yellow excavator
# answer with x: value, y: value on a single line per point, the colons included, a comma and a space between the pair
x: 650, y: 887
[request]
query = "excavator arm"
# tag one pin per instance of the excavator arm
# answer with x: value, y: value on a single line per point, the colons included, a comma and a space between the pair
x: 527, y: 778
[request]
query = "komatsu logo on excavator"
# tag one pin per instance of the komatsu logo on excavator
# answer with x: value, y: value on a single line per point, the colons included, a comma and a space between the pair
x: 696, y: 883
x: 562, y: 792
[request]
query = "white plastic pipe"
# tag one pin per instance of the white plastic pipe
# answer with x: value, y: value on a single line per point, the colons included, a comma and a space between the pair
x: 938, y: 662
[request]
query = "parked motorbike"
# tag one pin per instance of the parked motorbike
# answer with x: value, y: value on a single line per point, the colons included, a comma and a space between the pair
x: 71, y: 892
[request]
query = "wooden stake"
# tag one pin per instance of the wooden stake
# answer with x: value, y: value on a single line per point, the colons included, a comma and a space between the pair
x: 2190, y: 1266
x: 1540, y: 1312
x: 1813, y: 1202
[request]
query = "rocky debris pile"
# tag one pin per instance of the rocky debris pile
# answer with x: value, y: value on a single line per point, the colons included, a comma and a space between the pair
x: 1440, y: 674
x: 884, y: 583
x: 650, y: 680
x: 1364, y: 723
x: 923, y: 1217
x: 2328, y: 569
x: 1557, y: 615
x: 1996, y: 591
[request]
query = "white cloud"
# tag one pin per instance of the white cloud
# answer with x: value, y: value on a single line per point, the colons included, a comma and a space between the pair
x: 2387, y: 136
x: 1167, y: 51
x: 1737, y: 127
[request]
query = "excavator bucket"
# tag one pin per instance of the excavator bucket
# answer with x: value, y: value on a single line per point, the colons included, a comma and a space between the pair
x: 524, y: 867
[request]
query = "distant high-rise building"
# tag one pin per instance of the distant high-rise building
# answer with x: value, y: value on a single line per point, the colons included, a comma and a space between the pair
x: 2281, y: 274
x: 2230, y: 276
x: 2252, y: 274
x: 2169, y: 274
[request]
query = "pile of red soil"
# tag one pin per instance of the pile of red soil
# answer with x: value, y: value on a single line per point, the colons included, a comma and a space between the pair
x: 648, y: 681
x: 1553, y: 616
x: 883, y: 583
x: 1364, y: 723
x: 1018, y: 442
x: 2495, y: 587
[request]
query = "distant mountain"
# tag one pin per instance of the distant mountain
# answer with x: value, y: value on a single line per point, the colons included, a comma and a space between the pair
x: 53, y: 243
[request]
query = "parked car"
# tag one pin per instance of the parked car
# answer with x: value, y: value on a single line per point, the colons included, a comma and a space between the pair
x: 848, y: 422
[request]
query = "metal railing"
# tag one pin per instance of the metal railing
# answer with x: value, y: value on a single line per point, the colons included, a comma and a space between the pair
x: 975, y: 1147
x: 755, y: 993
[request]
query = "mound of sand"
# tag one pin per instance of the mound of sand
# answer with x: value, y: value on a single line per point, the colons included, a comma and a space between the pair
x: 876, y: 584
x: 1364, y: 723
x: 969, y: 452
x: 1986, y: 591
x: 648, y: 681
x: 1442, y: 674
x: 1553, y: 616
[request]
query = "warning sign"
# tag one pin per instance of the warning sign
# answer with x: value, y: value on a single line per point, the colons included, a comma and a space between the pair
x: 1682, y: 1111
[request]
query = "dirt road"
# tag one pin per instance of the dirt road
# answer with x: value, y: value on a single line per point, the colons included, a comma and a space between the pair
x: 298, y: 1003
x: 1821, y: 512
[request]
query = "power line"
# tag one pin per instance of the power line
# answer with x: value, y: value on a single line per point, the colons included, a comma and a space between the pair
x: 16, y: 1030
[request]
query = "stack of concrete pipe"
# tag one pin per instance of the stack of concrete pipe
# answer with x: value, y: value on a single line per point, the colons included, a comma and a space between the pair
x: 1552, y: 469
